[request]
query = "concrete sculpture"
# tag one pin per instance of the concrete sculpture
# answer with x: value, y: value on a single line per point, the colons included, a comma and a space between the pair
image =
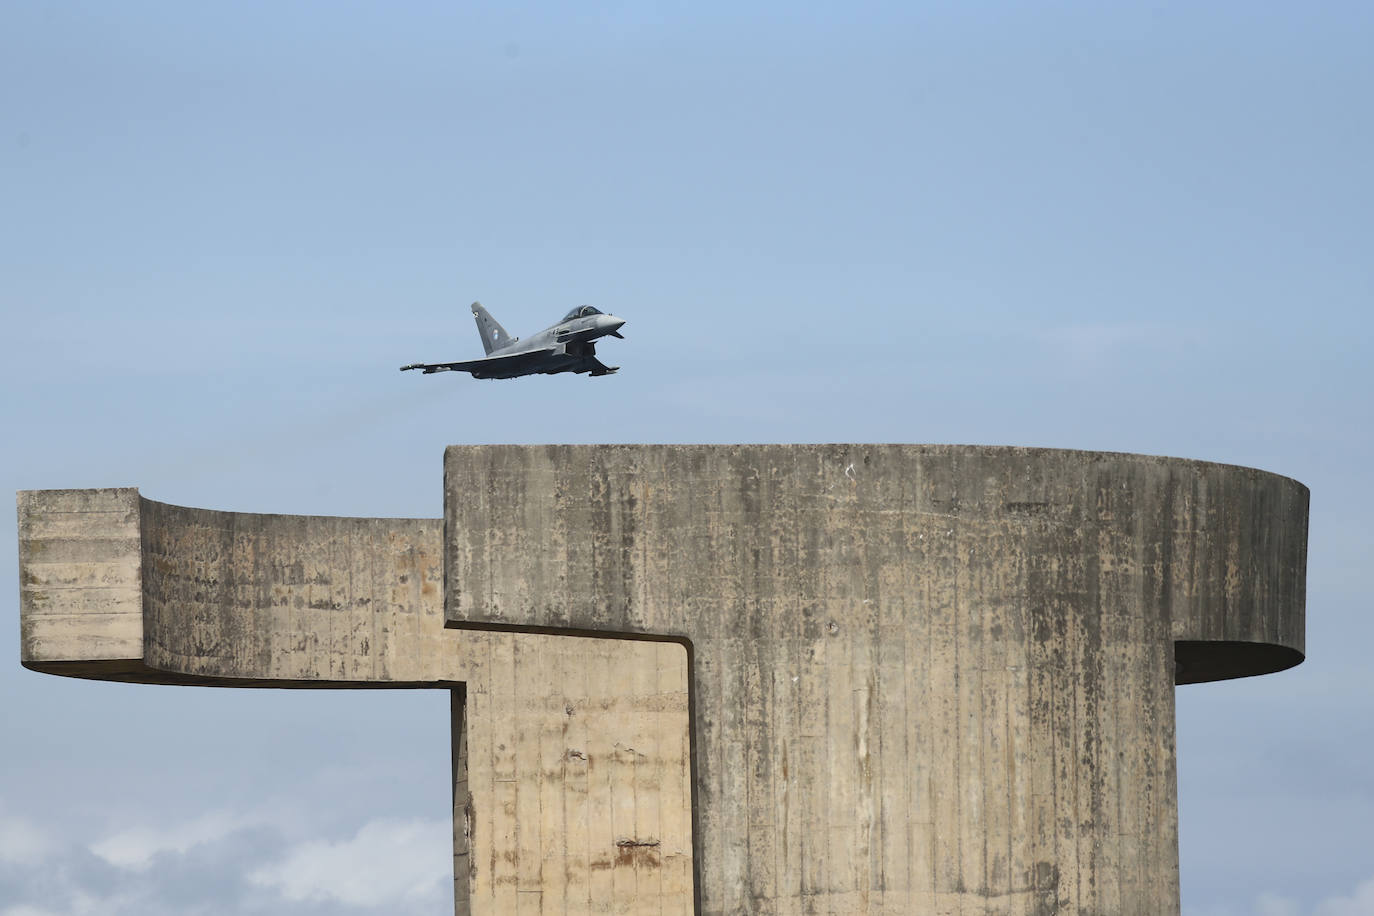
x: 739, y: 679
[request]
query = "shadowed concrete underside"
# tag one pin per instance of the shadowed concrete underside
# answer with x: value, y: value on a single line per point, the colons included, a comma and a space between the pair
x: 922, y: 678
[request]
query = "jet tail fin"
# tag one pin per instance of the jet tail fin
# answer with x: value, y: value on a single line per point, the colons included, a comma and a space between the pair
x: 494, y: 337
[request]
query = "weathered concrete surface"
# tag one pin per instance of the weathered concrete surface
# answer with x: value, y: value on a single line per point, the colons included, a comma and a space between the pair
x: 922, y: 679
x: 79, y: 580
x: 925, y: 679
x: 578, y: 746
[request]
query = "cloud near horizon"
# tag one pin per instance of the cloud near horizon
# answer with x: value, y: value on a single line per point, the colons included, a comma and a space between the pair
x: 23, y: 842
x: 137, y: 847
x: 386, y: 861
x: 1359, y: 902
x: 224, y: 863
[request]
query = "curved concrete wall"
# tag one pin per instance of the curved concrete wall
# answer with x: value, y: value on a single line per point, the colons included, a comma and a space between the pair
x: 926, y: 678
x: 325, y: 600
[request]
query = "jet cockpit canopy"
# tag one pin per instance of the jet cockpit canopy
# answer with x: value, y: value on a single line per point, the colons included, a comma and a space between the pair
x: 582, y: 311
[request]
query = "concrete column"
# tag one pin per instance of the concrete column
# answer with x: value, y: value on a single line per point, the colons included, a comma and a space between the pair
x: 924, y: 679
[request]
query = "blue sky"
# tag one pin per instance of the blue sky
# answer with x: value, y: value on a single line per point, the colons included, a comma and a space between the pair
x: 1132, y: 227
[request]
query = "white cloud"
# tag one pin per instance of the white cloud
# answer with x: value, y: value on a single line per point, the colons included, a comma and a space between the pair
x: 1361, y: 903
x: 22, y: 842
x: 81, y: 903
x: 227, y: 862
x: 387, y: 862
x: 137, y: 847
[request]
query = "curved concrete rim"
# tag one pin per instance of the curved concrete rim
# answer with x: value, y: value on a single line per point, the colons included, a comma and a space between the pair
x: 936, y: 448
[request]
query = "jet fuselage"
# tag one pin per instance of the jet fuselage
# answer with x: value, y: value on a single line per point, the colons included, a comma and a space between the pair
x: 568, y: 346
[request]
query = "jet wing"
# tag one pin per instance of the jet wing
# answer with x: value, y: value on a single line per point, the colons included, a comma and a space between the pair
x: 511, y: 363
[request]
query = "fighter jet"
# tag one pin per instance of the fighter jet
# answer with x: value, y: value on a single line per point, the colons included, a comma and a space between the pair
x: 568, y: 346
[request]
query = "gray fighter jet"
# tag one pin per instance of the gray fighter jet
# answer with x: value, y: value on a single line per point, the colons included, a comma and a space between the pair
x: 568, y: 346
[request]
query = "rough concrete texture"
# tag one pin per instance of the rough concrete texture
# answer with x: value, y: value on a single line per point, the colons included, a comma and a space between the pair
x: 79, y: 578
x: 576, y: 793
x: 924, y: 679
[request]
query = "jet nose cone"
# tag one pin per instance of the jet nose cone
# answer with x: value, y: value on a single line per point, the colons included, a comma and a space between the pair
x: 609, y: 324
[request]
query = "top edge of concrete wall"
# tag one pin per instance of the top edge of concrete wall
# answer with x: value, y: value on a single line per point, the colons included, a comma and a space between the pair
x: 917, y: 447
